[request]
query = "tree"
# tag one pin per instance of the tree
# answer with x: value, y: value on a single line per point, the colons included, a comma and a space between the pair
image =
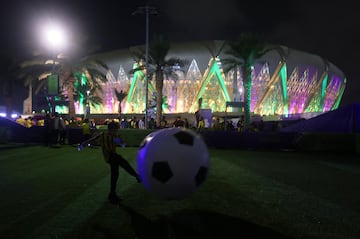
x: 243, y: 52
x: 93, y: 69
x: 159, y: 65
x: 67, y: 67
x: 31, y: 71
x: 120, y: 96
x: 214, y: 47
x: 153, y: 102
x: 87, y: 96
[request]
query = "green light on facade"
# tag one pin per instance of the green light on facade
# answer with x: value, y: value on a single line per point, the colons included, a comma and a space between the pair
x: 214, y: 72
x: 283, y: 75
x: 323, y: 91
x: 133, y: 84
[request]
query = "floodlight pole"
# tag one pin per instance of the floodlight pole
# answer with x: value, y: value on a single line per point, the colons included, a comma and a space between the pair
x: 147, y: 10
x: 53, y: 106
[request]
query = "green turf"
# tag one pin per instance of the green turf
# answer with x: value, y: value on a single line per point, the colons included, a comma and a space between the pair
x: 61, y: 193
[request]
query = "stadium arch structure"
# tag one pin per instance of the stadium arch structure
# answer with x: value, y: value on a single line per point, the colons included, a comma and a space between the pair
x: 296, y: 83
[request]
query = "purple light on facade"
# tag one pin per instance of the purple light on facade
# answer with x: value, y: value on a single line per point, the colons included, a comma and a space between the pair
x: 332, y: 91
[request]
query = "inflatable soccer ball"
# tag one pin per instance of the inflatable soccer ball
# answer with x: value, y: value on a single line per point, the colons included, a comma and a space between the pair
x: 173, y: 163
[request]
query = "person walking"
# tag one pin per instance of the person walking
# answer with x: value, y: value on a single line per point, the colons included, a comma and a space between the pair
x: 109, y: 140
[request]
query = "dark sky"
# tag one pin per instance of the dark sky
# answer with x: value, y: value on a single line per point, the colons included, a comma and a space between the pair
x: 326, y: 28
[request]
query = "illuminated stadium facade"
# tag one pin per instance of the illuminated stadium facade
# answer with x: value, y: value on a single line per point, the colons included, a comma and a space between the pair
x: 281, y: 85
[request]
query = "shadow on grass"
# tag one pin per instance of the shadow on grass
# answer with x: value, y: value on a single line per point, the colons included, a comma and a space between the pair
x: 196, y: 224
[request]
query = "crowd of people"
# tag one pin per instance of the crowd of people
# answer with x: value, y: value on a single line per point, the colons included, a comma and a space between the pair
x: 58, y: 126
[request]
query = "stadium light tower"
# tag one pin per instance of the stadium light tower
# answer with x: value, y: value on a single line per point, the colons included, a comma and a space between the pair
x: 147, y: 10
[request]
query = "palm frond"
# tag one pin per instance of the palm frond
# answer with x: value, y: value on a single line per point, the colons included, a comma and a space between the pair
x: 120, y: 95
x: 214, y: 47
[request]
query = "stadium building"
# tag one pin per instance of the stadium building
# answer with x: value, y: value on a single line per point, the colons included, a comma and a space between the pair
x: 297, y: 83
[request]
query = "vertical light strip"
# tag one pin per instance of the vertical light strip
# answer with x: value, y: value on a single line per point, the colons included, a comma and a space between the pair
x: 323, y: 91
x: 283, y: 74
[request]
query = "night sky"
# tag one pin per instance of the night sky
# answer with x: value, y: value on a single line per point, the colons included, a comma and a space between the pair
x: 326, y: 28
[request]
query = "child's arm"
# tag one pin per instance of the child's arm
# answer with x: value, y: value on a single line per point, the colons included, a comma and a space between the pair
x: 86, y: 142
x: 119, y: 141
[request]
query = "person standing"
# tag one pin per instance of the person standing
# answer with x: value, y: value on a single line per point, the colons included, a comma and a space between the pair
x: 48, y: 129
x: 57, y: 125
x: 109, y: 140
x: 152, y: 124
x: 86, y: 130
x: 141, y: 123
x: 240, y: 124
x: 163, y: 123
x: 201, y: 124
x: 62, y: 130
x: 186, y: 123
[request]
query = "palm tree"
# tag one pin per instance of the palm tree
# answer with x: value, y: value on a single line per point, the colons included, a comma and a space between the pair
x: 214, y: 47
x: 88, y: 95
x: 165, y: 103
x: 31, y: 72
x: 120, y: 96
x: 93, y: 69
x: 67, y: 67
x: 243, y: 52
x: 160, y: 66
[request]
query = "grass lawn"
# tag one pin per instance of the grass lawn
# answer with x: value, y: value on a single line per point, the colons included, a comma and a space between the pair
x: 61, y: 193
